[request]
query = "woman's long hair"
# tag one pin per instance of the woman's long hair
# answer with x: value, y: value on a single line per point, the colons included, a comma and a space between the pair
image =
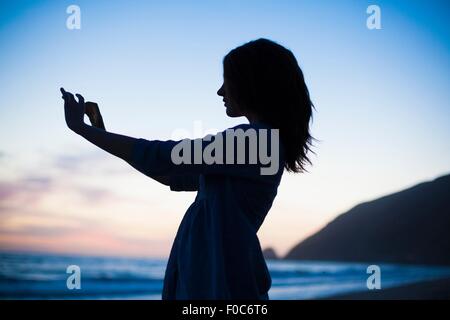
x: 265, y: 79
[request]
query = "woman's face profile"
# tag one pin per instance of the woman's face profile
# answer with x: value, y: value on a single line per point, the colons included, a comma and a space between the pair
x: 232, y: 108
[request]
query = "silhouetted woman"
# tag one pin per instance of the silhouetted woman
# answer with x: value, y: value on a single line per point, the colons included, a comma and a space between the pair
x: 216, y: 253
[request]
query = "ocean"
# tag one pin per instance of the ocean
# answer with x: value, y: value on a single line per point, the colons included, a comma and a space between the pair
x: 43, y: 276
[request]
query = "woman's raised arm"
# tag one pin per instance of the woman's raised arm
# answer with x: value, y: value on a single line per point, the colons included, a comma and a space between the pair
x: 119, y: 145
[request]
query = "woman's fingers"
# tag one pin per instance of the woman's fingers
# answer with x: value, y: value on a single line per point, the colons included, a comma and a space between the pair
x: 91, y: 109
x: 93, y: 112
x: 80, y: 99
x: 66, y: 95
x: 75, y: 110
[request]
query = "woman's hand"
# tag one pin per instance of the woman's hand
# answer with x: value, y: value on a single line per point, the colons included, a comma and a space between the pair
x: 73, y: 111
x: 95, y: 117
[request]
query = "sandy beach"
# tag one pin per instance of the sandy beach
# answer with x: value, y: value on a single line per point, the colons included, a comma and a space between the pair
x: 428, y: 290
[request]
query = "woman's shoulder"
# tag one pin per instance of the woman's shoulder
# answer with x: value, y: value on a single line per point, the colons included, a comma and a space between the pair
x: 253, y: 125
x: 267, y: 144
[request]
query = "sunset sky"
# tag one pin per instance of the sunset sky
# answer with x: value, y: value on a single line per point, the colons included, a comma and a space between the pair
x: 382, y: 100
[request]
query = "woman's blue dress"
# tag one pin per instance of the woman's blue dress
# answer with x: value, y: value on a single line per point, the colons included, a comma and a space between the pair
x: 216, y: 253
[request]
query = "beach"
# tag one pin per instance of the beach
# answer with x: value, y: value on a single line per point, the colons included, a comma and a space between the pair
x: 44, y: 276
x: 425, y: 290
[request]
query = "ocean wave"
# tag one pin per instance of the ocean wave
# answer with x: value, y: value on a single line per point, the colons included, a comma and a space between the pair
x: 44, y: 277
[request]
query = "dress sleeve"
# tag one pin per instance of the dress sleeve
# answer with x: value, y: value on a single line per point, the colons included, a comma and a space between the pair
x: 184, y: 182
x: 155, y: 158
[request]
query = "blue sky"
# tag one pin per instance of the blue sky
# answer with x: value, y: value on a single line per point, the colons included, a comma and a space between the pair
x: 154, y: 67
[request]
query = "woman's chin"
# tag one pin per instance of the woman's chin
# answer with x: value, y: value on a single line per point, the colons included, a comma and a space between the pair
x: 231, y: 113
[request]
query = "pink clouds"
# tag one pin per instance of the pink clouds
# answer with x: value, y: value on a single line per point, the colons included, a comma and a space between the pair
x: 69, y: 207
x: 27, y: 189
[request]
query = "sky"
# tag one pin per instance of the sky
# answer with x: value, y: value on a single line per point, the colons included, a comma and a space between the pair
x: 154, y: 67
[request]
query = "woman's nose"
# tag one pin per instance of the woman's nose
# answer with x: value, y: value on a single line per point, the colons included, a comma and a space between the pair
x: 220, y: 91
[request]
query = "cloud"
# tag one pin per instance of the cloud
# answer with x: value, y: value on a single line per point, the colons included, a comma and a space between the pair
x: 87, y: 163
x: 73, y: 174
x: 27, y: 191
x: 40, y: 231
x: 29, y: 188
x: 79, y: 163
x: 94, y: 195
x: 67, y: 202
x: 70, y: 174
